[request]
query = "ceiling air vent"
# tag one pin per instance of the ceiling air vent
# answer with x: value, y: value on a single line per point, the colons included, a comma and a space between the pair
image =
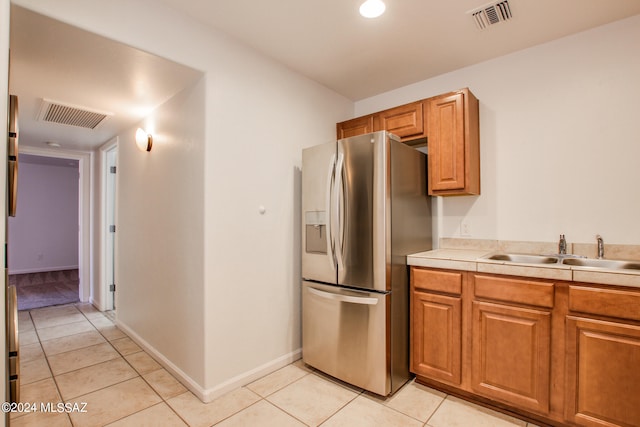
x: 72, y: 115
x: 491, y: 14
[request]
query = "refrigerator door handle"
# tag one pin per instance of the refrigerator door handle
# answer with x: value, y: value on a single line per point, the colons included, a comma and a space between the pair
x: 344, y: 298
x: 339, y: 211
x: 329, y: 193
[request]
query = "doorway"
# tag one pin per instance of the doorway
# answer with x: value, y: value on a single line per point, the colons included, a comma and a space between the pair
x: 43, y: 238
x: 84, y: 161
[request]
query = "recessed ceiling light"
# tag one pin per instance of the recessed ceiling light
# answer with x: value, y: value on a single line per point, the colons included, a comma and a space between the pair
x: 372, y: 8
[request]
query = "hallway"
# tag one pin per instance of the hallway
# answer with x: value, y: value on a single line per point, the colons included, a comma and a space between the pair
x: 75, y: 354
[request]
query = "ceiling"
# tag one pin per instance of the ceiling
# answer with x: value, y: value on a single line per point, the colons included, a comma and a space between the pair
x: 55, y: 61
x: 330, y: 43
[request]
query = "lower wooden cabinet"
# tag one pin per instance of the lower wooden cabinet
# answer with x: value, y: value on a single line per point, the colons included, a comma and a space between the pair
x: 437, y: 337
x: 511, y: 354
x: 436, y: 324
x: 563, y: 353
x: 603, y: 373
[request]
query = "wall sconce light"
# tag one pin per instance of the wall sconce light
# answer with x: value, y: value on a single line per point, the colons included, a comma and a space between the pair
x: 372, y: 8
x: 144, y: 140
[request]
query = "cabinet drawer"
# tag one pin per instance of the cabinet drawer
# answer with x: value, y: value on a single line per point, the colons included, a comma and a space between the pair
x: 606, y: 302
x: 527, y: 292
x: 438, y: 281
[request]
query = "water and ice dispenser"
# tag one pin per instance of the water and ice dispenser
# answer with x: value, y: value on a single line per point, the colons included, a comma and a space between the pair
x: 315, y: 225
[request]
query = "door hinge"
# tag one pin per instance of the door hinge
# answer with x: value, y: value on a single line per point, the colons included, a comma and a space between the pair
x: 112, y: 288
x: 112, y: 169
x: 112, y: 228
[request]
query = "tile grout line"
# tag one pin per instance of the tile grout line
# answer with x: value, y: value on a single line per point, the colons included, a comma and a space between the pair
x: 273, y: 404
x: 280, y: 409
x: 141, y: 376
x: 120, y: 355
x: 162, y: 400
x: 436, y: 410
x: 46, y: 358
x: 138, y: 374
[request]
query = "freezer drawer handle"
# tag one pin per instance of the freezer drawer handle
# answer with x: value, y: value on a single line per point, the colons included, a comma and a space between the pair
x: 344, y: 298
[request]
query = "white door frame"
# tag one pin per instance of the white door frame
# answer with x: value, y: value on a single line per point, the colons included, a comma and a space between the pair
x: 85, y: 208
x: 106, y: 303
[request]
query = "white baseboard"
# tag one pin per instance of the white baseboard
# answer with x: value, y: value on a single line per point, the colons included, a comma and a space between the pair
x: 204, y: 394
x: 96, y: 304
x: 250, y: 376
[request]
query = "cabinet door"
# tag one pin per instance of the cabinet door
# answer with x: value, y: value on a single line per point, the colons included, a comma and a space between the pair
x: 355, y: 127
x: 511, y: 355
x: 406, y: 121
x: 603, y: 373
x: 436, y: 336
x: 453, y: 141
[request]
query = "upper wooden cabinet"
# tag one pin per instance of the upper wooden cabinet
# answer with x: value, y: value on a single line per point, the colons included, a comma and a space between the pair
x: 450, y: 125
x: 406, y: 121
x: 453, y: 141
x: 355, y: 127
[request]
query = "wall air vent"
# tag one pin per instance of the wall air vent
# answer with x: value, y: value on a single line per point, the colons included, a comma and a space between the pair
x: 72, y: 115
x: 491, y: 14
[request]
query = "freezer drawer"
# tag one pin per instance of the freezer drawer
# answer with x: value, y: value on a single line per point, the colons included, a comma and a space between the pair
x: 345, y: 334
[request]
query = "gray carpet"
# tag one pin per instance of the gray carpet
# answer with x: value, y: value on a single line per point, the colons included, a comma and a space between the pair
x: 45, y: 289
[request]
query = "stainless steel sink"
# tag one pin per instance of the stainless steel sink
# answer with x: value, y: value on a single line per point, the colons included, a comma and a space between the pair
x: 608, y: 264
x: 566, y: 260
x: 524, y: 259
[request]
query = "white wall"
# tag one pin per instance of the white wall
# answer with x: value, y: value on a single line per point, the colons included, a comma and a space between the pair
x: 159, y: 234
x: 252, y: 261
x: 44, y: 233
x: 239, y: 316
x: 558, y: 137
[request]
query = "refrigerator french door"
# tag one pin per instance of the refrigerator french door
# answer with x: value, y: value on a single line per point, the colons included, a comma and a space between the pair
x: 365, y: 207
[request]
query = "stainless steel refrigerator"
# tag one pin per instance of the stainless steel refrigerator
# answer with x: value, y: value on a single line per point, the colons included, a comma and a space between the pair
x: 365, y: 207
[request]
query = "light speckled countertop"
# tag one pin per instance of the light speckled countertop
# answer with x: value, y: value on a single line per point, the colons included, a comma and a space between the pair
x: 468, y: 258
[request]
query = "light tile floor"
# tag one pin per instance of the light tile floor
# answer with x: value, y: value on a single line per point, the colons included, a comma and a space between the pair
x: 75, y: 354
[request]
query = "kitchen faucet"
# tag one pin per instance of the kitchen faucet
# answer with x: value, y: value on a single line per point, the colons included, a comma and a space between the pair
x: 562, y: 245
x: 600, y: 247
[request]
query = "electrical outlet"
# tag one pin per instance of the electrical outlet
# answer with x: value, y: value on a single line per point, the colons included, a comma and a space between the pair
x: 465, y: 229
